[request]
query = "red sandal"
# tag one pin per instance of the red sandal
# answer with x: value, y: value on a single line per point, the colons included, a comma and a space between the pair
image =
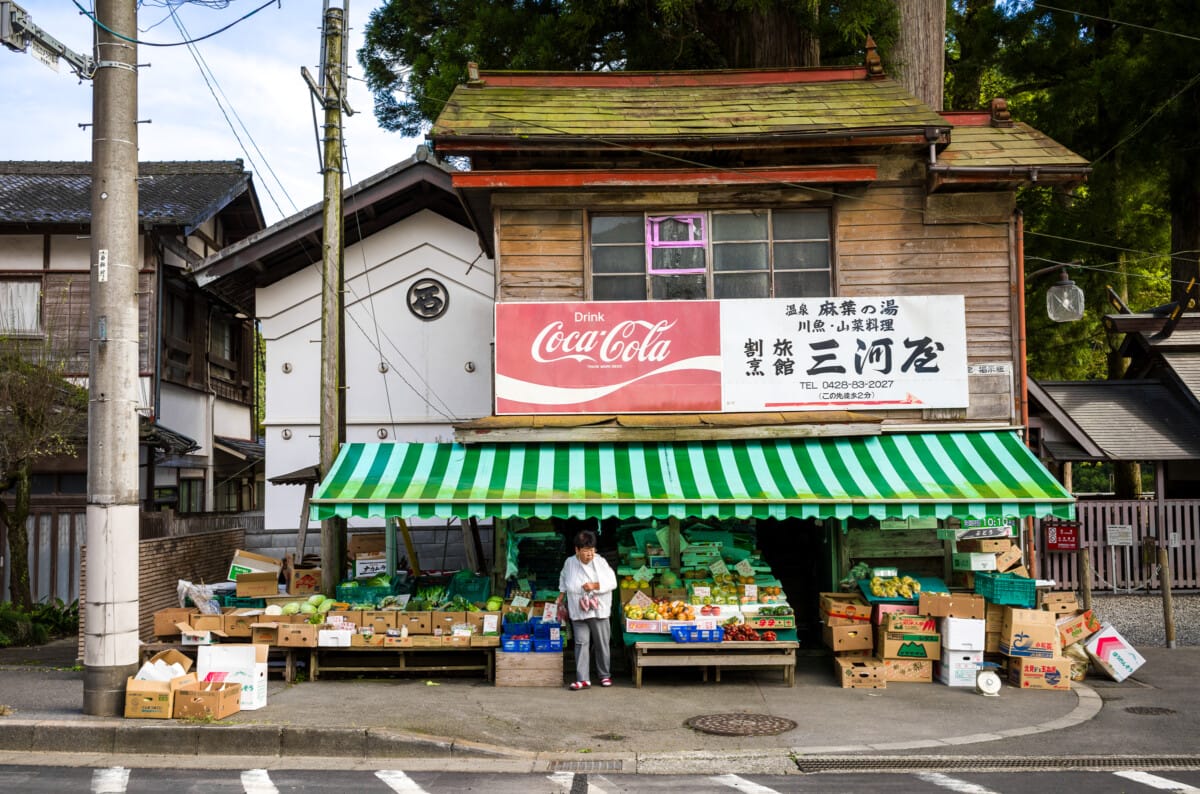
x: 605, y: 682
x: 578, y: 685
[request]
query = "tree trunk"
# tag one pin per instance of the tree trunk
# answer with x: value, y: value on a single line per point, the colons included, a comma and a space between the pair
x: 773, y: 38
x: 1185, y: 225
x: 920, y: 59
x: 15, y: 520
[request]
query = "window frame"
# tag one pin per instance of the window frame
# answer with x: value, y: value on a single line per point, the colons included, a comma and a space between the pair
x: 650, y: 242
x: 39, y: 288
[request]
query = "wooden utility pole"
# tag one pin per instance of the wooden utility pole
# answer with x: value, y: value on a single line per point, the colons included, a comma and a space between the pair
x: 333, y: 360
x: 110, y: 649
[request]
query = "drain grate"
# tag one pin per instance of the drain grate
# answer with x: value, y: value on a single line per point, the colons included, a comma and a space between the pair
x: 741, y: 724
x: 587, y: 766
x: 1149, y: 711
x: 814, y: 764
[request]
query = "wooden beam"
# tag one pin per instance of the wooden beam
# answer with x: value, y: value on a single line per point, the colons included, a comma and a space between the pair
x: 302, y: 532
x: 648, y: 176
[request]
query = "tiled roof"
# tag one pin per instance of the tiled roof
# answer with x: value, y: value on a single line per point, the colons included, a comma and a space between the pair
x: 1019, y: 145
x: 1131, y: 420
x: 686, y: 104
x: 169, y: 193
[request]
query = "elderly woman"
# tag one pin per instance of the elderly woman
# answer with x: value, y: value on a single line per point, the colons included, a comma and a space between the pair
x: 587, y: 582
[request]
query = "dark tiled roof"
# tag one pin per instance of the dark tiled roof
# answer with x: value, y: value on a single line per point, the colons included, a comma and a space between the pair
x: 1131, y: 420
x: 1019, y: 145
x: 169, y: 193
x: 250, y: 450
x: 673, y: 105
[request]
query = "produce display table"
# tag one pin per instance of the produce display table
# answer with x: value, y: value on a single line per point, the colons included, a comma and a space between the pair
x: 403, y: 660
x: 666, y: 653
x: 289, y: 655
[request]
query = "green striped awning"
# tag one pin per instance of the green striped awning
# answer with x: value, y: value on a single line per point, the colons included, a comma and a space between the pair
x: 968, y: 475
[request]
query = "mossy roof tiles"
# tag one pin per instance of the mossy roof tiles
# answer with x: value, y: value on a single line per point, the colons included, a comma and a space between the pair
x: 1018, y: 145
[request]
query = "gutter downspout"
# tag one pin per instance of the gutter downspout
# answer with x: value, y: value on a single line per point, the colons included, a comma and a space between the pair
x: 1023, y: 389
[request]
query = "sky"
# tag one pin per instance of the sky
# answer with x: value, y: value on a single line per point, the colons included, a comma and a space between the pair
x: 254, y: 68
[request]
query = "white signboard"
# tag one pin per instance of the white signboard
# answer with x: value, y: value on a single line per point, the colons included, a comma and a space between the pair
x: 805, y: 353
x: 1119, y: 534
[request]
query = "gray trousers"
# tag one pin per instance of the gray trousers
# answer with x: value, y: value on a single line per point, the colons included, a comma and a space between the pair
x: 593, y: 632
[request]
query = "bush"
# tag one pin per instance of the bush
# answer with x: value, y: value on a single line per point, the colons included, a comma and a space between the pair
x: 42, y: 623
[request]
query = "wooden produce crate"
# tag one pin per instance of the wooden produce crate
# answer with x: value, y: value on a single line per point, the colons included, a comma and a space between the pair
x: 529, y: 669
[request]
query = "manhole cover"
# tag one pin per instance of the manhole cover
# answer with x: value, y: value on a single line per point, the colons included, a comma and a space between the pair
x: 1149, y: 711
x: 741, y: 724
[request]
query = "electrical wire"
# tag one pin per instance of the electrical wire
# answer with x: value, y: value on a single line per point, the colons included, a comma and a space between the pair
x: 1118, y: 22
x: 91, y: 15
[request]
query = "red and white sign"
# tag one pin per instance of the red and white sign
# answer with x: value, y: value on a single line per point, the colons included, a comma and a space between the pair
x: 1062, y: 535
x: 787, y: 354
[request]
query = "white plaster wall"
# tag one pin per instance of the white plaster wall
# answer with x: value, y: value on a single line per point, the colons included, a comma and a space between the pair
x: 232, y: 420
x: 426, y: 385
x: 20, y: 252
x: 186, y: 411
x: 71, y: 252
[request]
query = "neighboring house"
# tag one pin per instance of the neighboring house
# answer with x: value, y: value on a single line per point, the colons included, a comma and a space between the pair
x: 710, y: 275
x: 418, y: 329
x: 196, y: 354
x: 1150, y: 417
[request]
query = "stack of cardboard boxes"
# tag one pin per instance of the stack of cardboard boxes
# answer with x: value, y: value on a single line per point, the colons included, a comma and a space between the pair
x: 847, y: 631
x: 999, y: 555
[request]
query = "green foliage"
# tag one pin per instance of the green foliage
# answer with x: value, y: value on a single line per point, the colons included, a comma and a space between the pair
x: 416, y: 51
x: 38, y: 624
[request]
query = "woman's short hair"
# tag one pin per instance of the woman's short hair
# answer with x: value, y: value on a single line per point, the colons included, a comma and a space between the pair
x: 585, y: 539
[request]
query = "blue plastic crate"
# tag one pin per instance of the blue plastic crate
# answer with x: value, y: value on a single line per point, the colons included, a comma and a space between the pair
x: 547, y: 645
x: 541, y: 629
x: 514, y: 645
x: 691, y: 634
x: 517, y: 628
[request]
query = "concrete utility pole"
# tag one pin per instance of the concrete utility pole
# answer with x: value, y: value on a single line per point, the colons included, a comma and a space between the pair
x: 333, y: 304
x: 110, y: 651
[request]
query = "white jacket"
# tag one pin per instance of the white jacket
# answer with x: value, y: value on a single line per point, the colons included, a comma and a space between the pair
x: 572, y: 579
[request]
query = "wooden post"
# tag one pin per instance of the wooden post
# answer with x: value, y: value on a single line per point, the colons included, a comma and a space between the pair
x: 302, y: 532
x: 673, y: 542
x: 409, y: 549
x: 1085, y: 578
x: 1164, y: 580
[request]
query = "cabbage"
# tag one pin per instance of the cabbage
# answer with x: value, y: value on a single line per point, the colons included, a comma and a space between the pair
x: 307, y: 609
x: 273, y: 609
x: 316, y: 600
x: 326, y: 605
x: 291, y: 608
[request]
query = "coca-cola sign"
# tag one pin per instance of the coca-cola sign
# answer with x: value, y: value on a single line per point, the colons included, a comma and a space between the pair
x: 786, y: 354
x: 607, y: 357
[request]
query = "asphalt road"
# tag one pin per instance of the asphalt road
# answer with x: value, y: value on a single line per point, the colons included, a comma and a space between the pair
x: 117, y: 780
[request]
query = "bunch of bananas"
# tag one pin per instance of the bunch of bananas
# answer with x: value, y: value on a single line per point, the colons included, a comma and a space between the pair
x: 896, y: 587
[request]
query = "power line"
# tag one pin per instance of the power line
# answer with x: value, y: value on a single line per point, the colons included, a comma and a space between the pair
x: 1118, y: 22
x: 122, y: 37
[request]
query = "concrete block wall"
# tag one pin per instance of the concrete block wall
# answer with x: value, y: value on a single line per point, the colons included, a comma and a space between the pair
x: 202, y: 558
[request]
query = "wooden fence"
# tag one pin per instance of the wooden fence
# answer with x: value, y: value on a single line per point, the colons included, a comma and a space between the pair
x: 1135, y: 567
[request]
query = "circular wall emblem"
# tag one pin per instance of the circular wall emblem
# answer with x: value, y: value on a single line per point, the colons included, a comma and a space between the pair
x: 428, y: 299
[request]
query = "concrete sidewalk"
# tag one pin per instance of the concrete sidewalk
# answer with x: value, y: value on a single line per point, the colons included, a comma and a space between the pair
x: 642, y: 730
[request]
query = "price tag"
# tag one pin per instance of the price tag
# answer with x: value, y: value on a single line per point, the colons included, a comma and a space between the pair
x: 491, y: 624
x: 744, y: 568
x: 751, y: 591
x: 520, y: 602
x: 701, y: 590
x: 643, y: 574
x: 461, y: 631
x: 550, y: 612
x: 719, y: 568
x: 706, y: 623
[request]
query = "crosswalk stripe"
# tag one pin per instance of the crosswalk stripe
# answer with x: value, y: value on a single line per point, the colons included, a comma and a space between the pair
x: 399, y: 782
x: 113, y: 780
x: 1161, y: 783
x: 258, y: 781
x: 564, y: 779
x: 953, y: 783
x: 741, y: 784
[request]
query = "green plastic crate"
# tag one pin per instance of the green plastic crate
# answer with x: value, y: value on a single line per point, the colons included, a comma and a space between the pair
x: 1006, y: 588
x: 360, y: 594
x: 243, y: 602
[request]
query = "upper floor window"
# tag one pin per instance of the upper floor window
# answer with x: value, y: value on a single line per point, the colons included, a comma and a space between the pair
x: 717, y: 254
x: 20, y: 306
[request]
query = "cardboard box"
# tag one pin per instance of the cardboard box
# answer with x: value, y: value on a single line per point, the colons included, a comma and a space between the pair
x: 1009, y: 558
x: 958, y: 668
x: 415, y: 622
x: 249, y: 562
x: 1029, y: 632
x: 994, y: 617
x: 208, y: 700
x: 165, y: 620
x: 154, y: 700
x: 172, y: 656
x: 881, y: 612
x: 301, y: 579
x: 627, y: 593
x: 1021, y: 571
x: 238, y: 623
x: 849, y: 638
x: 484, y: 622
x: 241, y: 663
x: 485, y: 641
x: 1058, y: 603
x: 297, y: 635
x: 844, y: 609
x: 1112, y: 654
x: 365, y: 543
x: 452, y: 641
x: 865, y: 672
x: 963, y: 634
x: 257, y: 584
x: 424, y: 641
x: 991, y: 642
x: 266, y: 633
x: 973, y: 561
x: 189, y: 635
x: 202, y: 622
x: 984, y: 545
x: 372, y: 640
x: 918, y: 671
x: 1075, y: 628
x: 1053, y: 673
x: 909, y: 637
x: 351, y: 616
x: 953, y: 605
x: 442, y: 622
x: 334, y: 638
